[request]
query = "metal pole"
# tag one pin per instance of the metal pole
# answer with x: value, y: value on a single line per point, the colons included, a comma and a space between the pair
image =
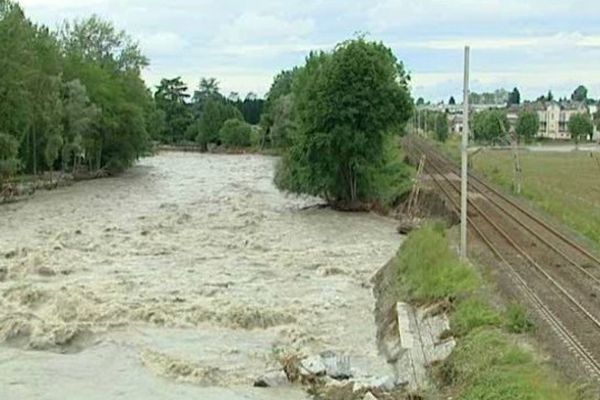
x: 465, y: 161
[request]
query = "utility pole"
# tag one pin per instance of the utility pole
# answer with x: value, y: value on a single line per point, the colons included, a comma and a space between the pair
x: 465, y: 161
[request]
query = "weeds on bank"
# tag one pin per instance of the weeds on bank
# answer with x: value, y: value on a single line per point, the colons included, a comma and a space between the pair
x: 488, y: 362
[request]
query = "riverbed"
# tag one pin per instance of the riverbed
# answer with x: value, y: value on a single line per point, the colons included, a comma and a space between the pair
x: 187, y: 276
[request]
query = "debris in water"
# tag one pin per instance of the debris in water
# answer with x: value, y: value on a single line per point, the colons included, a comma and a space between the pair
x: 272, y: 379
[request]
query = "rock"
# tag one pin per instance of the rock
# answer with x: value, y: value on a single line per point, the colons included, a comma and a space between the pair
x: 312, y: 366
x: 369, y: 396
x: 3, y: 273
x: 379, y: 384
x: 407, y: 225
x: 272, y: 379
x: 336, y: 367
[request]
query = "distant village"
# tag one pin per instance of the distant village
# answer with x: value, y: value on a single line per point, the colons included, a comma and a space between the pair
x: 553, y: 114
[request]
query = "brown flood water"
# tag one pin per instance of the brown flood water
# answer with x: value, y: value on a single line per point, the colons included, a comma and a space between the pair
x: 184, y: 277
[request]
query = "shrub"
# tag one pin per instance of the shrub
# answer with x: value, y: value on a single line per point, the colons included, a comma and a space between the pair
x: 472, y: 314
x: 430, y: 271
x: 236, y: 133
x: 517, y: 319
x: 488, y: 365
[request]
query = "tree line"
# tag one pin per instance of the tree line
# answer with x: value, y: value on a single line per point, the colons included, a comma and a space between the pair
x: 70, y: 99
x: 207, y: 117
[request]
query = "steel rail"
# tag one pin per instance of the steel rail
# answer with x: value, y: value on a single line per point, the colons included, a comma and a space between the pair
x: 573, y: 344
x: 528, y: 257
x: 431, y: 152
x: 513, y: 203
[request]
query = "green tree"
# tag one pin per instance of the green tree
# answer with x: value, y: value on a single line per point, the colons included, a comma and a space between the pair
x: 514, y: 98
x: 528, y: 125
x: 251, y: 108
x: 78, y: 119
x: 441, y: 127
x: 580, y: 127
x: 580, y: 93
x: 42, y: 112
x: 282, y: 124
x: 275, y: 109
x: 52, y: 150
x: 9, y: 163
x: 235, y: 133
x: 214, y: 115
x: 347, y: 104
x: 489, y: 126
x: 109, y: 63
x: 170, y: 97
x: 98, y: 41
x: 452, y: 102
x: 207, y: 89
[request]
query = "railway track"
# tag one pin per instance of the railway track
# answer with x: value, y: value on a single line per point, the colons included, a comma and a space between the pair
x: 558, y: 277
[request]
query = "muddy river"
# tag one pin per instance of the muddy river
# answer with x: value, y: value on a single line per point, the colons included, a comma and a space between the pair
x: 188, y: 276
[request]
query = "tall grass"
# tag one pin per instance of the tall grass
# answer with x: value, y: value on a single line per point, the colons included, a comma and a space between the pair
x: 489, y: 363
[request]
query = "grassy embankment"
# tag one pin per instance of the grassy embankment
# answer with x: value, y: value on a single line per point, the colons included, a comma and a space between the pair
x: 565, y: 185
x: 490, y: 361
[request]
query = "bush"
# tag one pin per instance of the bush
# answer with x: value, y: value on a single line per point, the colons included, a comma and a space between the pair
x: 430, y: 271
x: 517, y: 319
x: 235, y: 133
x: 472, y: 314
x: 214, y: 116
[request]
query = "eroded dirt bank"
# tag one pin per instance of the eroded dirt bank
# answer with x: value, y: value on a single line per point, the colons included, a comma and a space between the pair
x: 186, y: 276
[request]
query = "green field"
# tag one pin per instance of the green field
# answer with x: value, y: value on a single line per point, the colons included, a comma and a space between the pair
x: 565, y: 185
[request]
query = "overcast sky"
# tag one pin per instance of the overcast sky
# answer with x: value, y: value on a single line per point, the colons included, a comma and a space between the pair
x: 536, y: 45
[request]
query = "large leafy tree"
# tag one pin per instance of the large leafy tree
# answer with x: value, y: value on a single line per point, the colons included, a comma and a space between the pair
x: 348, y: 103
x: 528, y: 125
x: 490, y: 126
x: 514, y: 98
x: 108, y: 63
x: 79, y: 116
x: 580, y: 127
x: 276, y: 110
x: 17, y: 67
x: 208, y: 88
x: 282, y: 122
x: 235, y: 133
x: 580, y: 93
x: 55, y: 120
x: 214, y: 115
x: 441, y: 127
x: 170, y: 97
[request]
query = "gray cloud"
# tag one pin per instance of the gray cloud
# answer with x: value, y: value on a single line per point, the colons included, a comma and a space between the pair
x: 244, y: 44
